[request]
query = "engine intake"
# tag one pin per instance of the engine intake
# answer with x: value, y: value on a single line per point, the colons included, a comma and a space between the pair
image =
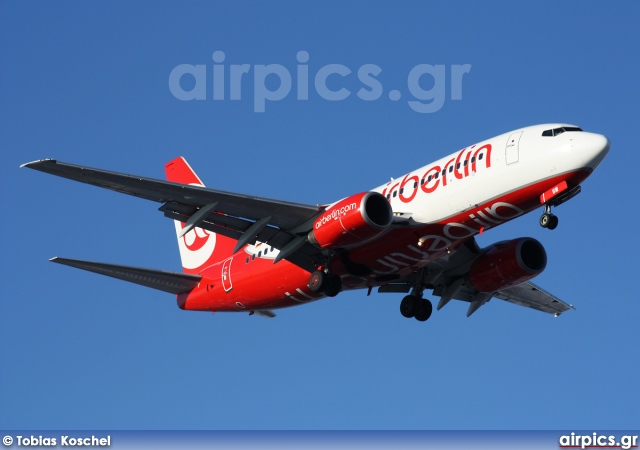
x: 352, y: 220
x: 508, y: 263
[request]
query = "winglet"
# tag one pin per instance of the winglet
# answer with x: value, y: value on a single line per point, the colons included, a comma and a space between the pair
x: 37, y: 162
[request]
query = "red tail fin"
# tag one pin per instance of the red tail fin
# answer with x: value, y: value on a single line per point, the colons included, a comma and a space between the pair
x: 199, y: 248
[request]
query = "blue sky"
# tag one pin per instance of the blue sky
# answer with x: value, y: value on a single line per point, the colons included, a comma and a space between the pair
x: 88, y: 83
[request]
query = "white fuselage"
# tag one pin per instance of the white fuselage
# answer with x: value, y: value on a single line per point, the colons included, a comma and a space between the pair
x: 529, y: 159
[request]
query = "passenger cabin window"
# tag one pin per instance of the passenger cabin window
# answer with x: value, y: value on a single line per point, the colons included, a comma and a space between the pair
x: 558, y: 131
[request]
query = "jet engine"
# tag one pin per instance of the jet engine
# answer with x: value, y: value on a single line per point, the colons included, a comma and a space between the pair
x: 508, y: 263
x: 352, y: 220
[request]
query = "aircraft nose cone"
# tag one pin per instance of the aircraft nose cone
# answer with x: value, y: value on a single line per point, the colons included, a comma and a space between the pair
x: 593, y: 146
x: 600, y: 143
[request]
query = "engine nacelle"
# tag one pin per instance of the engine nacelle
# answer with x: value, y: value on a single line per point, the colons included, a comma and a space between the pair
x: 352, y: 220
x: 508, y: 263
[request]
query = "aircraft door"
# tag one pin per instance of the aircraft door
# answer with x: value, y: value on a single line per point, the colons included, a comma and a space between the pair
x: 226, y: 275
x: 512, y: 151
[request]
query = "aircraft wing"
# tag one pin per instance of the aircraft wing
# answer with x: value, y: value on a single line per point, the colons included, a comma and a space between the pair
x: 172, y: 282
x: 276, y: 222
x: 283, y: 214
x: 453, y: 271
x: 524, y: 294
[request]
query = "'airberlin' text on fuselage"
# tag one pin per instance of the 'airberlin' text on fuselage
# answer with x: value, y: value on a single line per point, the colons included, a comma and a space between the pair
x: 460, y: 167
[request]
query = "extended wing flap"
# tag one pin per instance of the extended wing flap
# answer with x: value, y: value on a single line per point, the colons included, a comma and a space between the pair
x: 524, y: 294
x: 172, y: 282
x: 234, y: 228
x: 531, y: 296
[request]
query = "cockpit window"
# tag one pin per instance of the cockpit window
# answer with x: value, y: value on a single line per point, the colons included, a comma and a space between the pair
x: 557, y: 131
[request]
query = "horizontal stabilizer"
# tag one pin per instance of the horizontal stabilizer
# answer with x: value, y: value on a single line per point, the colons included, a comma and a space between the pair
x: 172, y: 282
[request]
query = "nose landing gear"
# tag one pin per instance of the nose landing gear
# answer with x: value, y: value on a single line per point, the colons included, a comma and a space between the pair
x: 556, y: 196
x: 548, y: 220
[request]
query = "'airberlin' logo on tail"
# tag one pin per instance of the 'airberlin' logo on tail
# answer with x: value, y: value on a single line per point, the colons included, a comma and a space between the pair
x: 196, y: 247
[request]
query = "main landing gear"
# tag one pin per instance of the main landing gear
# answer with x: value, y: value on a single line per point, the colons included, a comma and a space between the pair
x: 415, y: 306
x: 548, y: 220
x: 329, y: 284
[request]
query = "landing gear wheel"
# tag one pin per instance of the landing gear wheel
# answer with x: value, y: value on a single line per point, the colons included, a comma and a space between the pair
x: 545, y: 219
x: 333, y: 285
x: 409, y: 306
x: 317, y: 281
x: 425, y: 308
x: 548, y: 220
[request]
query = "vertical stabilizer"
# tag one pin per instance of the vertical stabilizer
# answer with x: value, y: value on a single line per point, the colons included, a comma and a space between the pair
x: 199, y: 248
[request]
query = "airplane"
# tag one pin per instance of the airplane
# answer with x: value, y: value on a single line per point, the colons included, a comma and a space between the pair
x: 242, y: 253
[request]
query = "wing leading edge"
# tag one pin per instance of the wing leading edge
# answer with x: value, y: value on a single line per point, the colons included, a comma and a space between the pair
x: 285, y: 215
